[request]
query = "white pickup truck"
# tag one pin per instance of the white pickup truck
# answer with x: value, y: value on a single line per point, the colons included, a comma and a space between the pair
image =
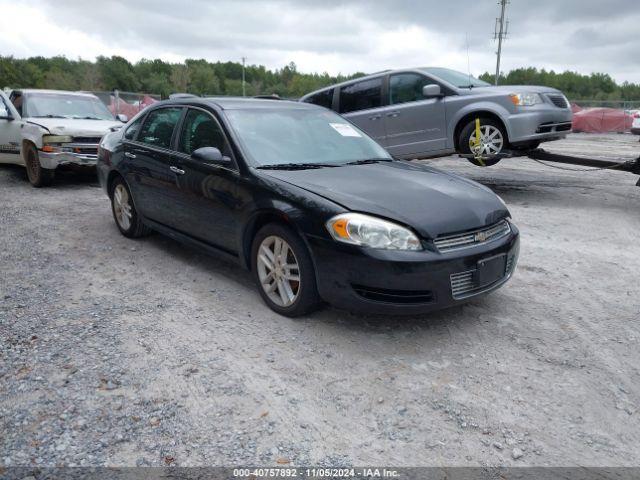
x: 44, y: 129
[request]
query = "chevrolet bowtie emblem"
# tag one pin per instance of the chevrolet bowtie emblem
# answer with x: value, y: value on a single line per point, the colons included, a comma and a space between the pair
x: 481, y: 236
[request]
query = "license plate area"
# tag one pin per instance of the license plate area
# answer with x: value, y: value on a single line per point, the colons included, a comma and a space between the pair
x: 490, y: 270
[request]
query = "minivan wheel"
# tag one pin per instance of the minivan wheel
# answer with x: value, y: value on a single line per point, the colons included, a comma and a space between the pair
x: 124, y: 211
x: 493, y: 140
x: 38, y: 176
x: 282, y: 267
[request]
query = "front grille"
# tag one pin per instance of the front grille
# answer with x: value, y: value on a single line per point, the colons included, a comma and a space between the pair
x: 473, y: 238
x: 558, y: 100
x: 95, y: 140
x: 465, y: 284
x: 404, y: 297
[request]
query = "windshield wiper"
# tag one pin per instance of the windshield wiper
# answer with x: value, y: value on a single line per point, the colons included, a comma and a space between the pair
x: 49, y: 116
x: 369, y: 160
x: 86, y: 118
x: 295, y: 166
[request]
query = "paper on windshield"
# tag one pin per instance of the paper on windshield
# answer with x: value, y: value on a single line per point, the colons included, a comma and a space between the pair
x: 345, y: 130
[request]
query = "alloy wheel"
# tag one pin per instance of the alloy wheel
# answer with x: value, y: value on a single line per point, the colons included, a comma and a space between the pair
x: 278, y: 271
x: 491, y: 141
x: 122, y: 206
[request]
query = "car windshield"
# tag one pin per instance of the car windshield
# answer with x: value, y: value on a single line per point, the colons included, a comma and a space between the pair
x: 59, y: 105
x: 458, y: 79
x: 302, y: 136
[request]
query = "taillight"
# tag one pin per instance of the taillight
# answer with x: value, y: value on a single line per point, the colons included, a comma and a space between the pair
x: 636, y: 115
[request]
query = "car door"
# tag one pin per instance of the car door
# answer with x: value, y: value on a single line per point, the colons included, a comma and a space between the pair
x: 149, y: 156
x: 361, y: 103
x: 414, y: 124
x: 10, y: 125
x: 209, y: 195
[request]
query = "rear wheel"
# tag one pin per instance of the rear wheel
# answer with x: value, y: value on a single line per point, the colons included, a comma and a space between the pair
x: 124, y: 211
x: 284, y: 272
x: 493, y: 140
x: 38, y: 176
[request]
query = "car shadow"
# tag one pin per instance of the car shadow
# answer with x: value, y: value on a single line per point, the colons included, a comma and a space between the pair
x: 64, y: 178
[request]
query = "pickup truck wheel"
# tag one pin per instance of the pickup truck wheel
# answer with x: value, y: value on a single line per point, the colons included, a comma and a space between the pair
x: 38, y: 176
x: 493, y: 140
x: 124, y: 211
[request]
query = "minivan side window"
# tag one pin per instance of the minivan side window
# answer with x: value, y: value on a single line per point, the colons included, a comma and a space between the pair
x: 324, y: 98
x: 157, y: 128
x: 200, y: 130
x: 361, y: 95
x: 407, y: 87
x: 133, y: 129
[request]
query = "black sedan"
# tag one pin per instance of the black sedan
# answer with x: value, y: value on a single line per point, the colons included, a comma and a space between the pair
x: 316, y: 209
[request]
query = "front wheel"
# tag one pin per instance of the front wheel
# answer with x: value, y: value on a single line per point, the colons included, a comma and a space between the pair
x: 493, y: 140
x: 284, y: 272
x: 38, y: 176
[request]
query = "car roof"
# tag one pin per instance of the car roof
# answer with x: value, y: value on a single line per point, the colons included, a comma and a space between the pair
x: 59, y: 92
x: 369, y: 77
x: 238, y: 103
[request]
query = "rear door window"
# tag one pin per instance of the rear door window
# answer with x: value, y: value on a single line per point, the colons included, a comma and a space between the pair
x: 324, y: 98
x: 407, y: 87
x: 361, y: 95
x: 157, y: 129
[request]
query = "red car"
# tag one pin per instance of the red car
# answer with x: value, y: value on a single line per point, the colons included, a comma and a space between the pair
x: 602, y: 120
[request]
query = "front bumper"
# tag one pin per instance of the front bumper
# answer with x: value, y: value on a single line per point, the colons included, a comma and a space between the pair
x: 402, y: 283
x: 52, y: 160
x: 539, y: 123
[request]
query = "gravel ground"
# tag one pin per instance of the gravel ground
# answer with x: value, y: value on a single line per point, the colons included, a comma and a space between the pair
x: 119, y: 352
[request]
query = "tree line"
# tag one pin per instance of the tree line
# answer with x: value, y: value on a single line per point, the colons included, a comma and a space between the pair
x: 199, y: 77
x: 202, y: 77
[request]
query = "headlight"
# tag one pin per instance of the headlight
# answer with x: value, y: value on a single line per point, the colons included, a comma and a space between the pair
x: 525, y: 99
x: 367, y: 231
x: 57, y: 139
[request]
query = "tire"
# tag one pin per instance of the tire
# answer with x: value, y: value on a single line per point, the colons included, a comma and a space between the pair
x: 305, y: 291
x: 38, y: 176
x: 467, y: 135
x: 124, y: 211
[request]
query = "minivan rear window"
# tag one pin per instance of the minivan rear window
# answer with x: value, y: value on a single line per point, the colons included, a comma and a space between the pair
x: 324, y: 98
x: 361, y: 95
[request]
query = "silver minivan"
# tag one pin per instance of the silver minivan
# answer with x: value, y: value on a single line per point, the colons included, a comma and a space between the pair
x: 427, y: 112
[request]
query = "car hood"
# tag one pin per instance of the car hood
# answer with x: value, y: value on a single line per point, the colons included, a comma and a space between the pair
x: 508, y: 89
x: 430, y: 201
x: 75, y: 127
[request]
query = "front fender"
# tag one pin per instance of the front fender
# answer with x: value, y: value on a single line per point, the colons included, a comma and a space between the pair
x: 33, y: 133
x: 491, y: 107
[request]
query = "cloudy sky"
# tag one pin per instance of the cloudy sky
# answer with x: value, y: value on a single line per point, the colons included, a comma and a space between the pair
x: 333, y: 35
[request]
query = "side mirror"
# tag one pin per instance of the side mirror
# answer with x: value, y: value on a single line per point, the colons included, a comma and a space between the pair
x: 122, y: 117
x: 431, y: 90
x: 210, y: 155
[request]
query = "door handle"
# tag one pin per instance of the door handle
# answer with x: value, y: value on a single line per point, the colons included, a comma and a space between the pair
x: 393, y: 114
x: 375, y: 117
x: 176, y: 170
x: 129, y: 155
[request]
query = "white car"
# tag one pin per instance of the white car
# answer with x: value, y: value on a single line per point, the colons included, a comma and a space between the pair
x: 635, y: 126
x: 43, y: 129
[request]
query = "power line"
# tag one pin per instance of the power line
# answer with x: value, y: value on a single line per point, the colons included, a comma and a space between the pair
x: 500, y: 33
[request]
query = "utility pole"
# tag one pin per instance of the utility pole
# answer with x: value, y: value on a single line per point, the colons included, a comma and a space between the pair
x: 500, y: 34
x: 244, y: 94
